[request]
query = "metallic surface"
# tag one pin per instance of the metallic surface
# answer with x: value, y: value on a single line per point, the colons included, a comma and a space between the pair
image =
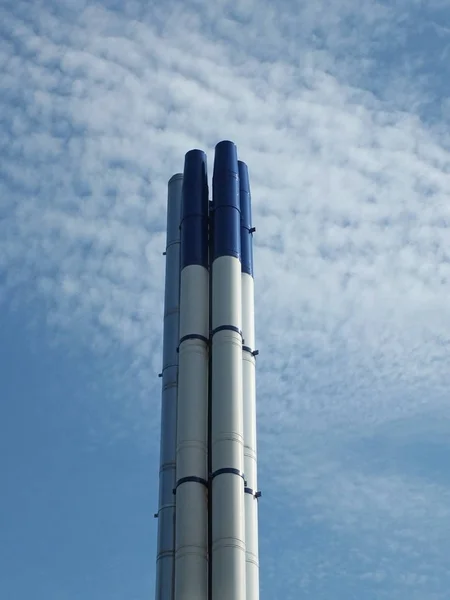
x: 208, y: 505
x: 191, y: 554
x: 166, y: 511
x: 249, y: 389
x: 227, y: 441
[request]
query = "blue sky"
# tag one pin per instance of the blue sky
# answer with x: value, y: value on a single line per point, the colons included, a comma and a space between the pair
x: 341, y: 110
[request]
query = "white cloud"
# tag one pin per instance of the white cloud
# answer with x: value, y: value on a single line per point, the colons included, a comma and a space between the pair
x: 350, y: 191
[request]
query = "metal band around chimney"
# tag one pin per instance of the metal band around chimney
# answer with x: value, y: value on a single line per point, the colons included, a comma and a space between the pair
x: 226, y: 328
x: 248, y: 490
x: 250, y: 351
x: 229, y: 471
x: 191, y: 479
x: 192, y: 336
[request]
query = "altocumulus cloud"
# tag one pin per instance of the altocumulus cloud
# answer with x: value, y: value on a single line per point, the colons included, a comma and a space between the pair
x: 337, y: 112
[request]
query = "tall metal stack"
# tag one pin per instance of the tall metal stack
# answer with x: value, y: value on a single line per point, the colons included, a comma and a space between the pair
x: 208, y: 502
